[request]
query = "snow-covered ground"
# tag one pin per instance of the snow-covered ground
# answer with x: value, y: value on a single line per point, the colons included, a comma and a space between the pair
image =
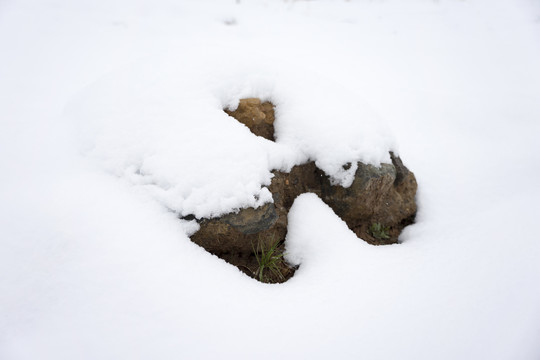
x: 110, y: 117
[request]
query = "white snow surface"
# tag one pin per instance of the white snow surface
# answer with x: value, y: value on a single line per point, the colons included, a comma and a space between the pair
x: 160, y: 123
x: 111, y: 125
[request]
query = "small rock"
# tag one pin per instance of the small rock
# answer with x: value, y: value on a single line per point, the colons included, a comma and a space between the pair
x: 384, y: 195
x: 256, y: 115
x: 240, y: 232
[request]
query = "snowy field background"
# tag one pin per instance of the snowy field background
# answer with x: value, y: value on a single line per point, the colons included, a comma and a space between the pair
x: 110, y: 117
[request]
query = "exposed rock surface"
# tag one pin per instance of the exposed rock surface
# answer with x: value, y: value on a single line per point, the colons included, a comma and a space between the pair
x: 256, y: 115
x: 240, y: 232
x: 382, y: 195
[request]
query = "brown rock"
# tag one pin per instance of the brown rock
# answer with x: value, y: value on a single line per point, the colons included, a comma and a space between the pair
x: 240, y: 232
x: 383, y: 195
x: 256, y: 115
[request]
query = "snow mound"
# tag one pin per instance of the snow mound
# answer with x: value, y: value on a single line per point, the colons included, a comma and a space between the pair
x: 160, y: 124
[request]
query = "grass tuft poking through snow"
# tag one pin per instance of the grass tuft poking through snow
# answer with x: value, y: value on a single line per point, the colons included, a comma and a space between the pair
x: 269, y: 261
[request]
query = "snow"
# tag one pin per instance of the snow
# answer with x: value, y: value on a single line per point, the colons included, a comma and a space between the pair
x: 162, y: 129
x: 111, y: 118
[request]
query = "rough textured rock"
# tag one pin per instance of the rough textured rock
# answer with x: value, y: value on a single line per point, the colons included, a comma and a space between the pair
x: 236, y: 237
x: 256, y: 115
x: 240, y: 232
x: 382, y: 195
